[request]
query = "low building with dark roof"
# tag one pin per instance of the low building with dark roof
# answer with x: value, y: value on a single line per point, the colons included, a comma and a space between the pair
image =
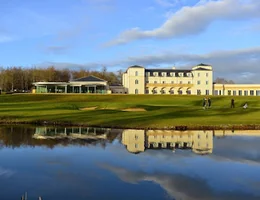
x: 88, y: 84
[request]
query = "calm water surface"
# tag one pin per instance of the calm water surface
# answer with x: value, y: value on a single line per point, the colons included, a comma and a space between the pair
x: 89, y: 163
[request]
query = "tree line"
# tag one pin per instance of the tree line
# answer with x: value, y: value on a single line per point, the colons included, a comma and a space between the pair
x: 21, y: 79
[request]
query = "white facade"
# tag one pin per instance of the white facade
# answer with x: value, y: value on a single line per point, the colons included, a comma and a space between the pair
x: 237, y: 89
x: 195, y: 81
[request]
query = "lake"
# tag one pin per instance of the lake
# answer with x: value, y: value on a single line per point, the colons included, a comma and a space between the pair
x: 79, y: 163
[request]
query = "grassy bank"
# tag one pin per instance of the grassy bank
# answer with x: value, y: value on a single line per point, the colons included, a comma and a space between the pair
x: 108, y: 110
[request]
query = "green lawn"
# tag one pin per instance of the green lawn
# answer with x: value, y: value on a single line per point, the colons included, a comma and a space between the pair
x: 162, y: 111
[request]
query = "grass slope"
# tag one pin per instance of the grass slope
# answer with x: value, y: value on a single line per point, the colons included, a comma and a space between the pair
x: 162, y: 111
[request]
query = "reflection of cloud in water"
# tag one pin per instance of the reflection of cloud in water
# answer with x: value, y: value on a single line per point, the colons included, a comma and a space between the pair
x: 6, y: 172
x: 180, y: 186
x: 241, y: 149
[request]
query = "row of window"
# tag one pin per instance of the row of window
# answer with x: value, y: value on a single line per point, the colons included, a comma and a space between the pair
x: 180, y: 136
x: 171, y: 74
x: 238, y: 92
x: 172, y: 82
x: 199, y: 82
x: 165, y: 82
x: 180, y: 92
x: 207, y: 74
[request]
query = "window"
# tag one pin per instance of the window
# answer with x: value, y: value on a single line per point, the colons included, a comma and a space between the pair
x: 180, y: 92
x: 180, y: 82
x: 229, y: 92
x: 136, y: 73
x: 219, y: 92
x: 198, y: 82
x: 207, y: 82
x: 136, y: 137
x: 198, y: 74
x: 172, y: 82
x: 163, y: 82
x: 240, y: 92
x: 188, y: 82
x: 188, y: 92
x: 136, y: 145
x: 252, y: 93
x: 147, y: 81
x: 136, y: 81
x: 154, y: 91
x: 257, y: 92
x: 215, y: 92
x: 198, y: 92
x: 155, y: 81
x: 207, y: 74
x: 245, y: 93
x: 234, y: 92
x: 136, y: 91
x: 198, y: 136
x: 147, y: 73
x: 207, y: 92
x: 147, y: 91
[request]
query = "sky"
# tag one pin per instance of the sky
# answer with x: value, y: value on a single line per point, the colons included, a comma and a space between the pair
x: 91, y: 34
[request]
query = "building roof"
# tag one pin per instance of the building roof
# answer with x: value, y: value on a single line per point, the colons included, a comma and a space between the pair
x: 136, y: 66
x: 202, y: 69
x: 89, y: 79
x: 202, y: 64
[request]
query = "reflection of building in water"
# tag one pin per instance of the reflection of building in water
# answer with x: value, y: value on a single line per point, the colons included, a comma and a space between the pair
x: 134, y: 140
x: 201, y: 142
x: 72, y: 133
x: 223, y: 133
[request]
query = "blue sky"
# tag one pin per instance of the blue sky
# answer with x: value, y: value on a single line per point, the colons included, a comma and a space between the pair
x: 119, y: 33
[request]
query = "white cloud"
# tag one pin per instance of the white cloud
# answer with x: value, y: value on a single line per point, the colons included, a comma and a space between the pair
x: 191, y: 20
x: 6, y: 172
x: 4, y: 38
x: 167, y: 3
x: 237, y: 65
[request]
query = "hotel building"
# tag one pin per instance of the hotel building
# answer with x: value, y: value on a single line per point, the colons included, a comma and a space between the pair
x: 195, y: 81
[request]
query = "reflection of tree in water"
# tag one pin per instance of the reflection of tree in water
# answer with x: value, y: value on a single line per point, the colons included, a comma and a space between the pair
x: 18, y: 136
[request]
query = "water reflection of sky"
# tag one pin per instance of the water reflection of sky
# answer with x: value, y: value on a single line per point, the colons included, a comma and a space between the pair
x: 111, y: 172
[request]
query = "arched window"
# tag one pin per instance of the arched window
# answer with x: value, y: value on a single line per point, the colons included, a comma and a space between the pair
x: 136, y: 81
x: 136, y: 73
x: 136, y: 91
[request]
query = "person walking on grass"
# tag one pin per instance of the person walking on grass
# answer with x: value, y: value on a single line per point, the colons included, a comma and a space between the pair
x: 209, y: 102
x: 232, y: 103
x: 205, y: 103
